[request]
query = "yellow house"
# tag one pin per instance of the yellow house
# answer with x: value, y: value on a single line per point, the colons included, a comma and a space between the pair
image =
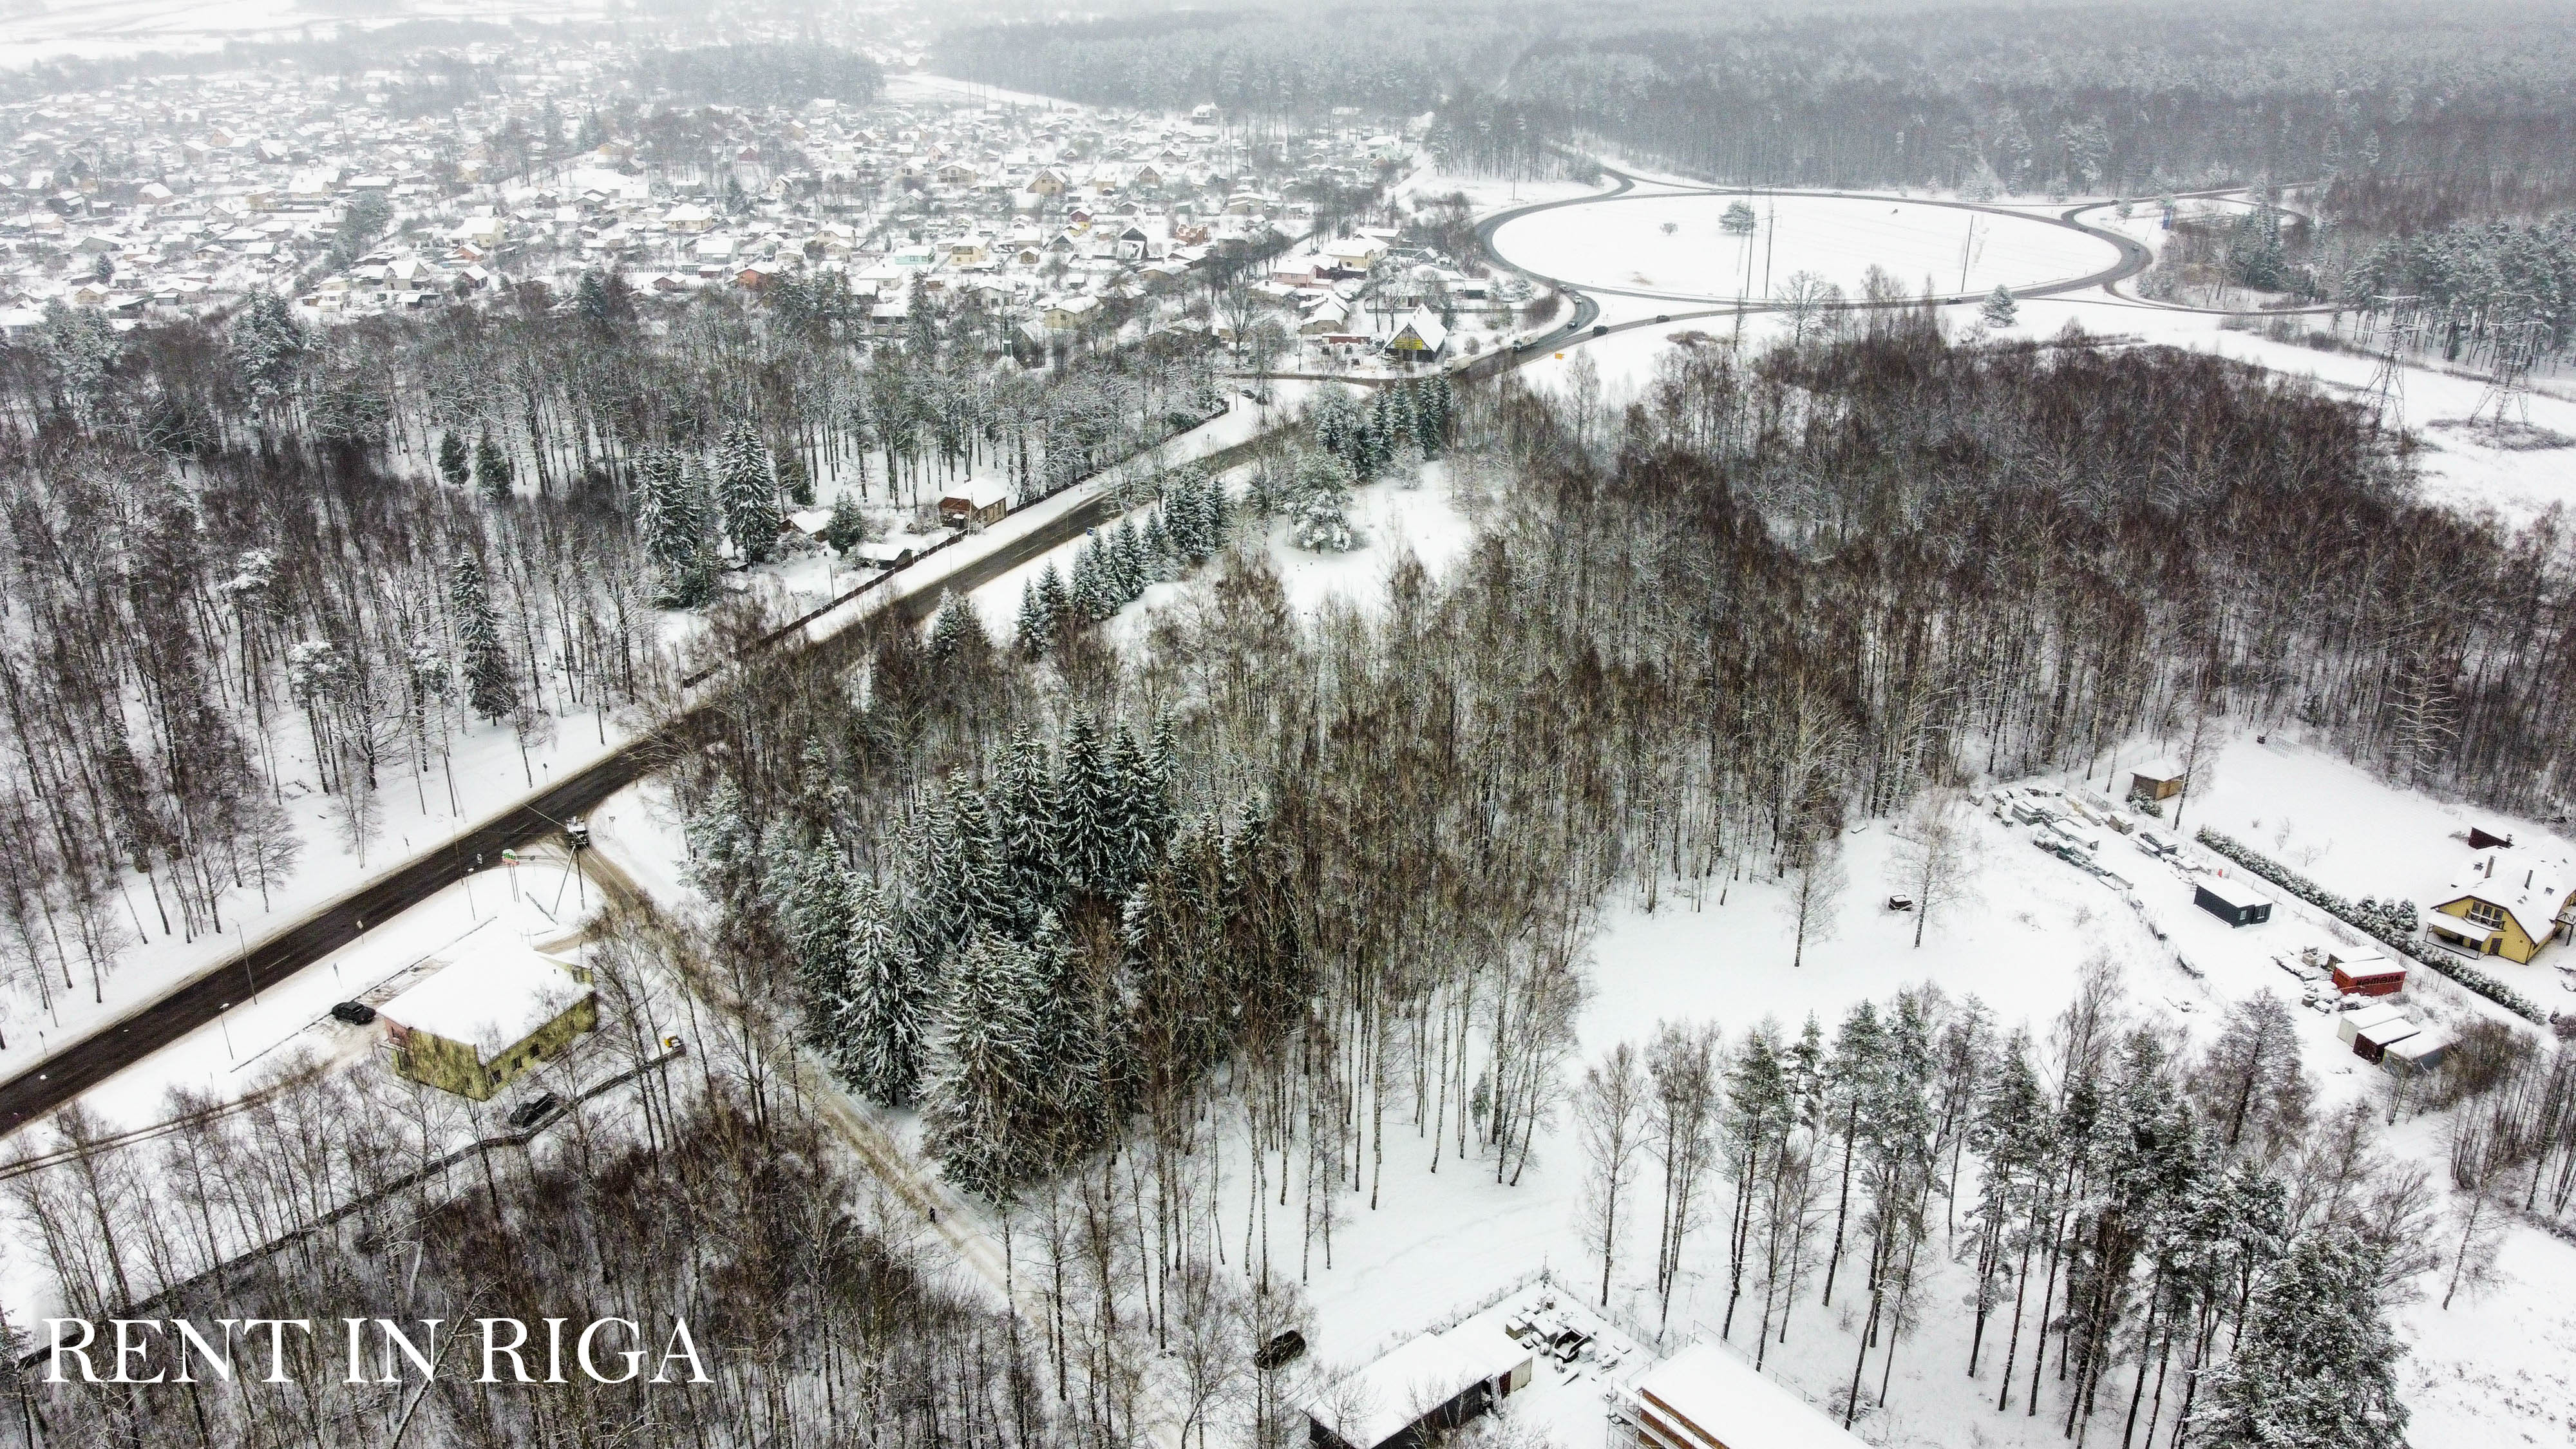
x: 492, y: 1011
x: 2505, y: 908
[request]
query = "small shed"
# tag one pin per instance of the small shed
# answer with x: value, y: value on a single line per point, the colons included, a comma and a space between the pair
x: 2231, y: 902
x: 2371, y: 1043
x: 2352, y: 1023
x: 2366, y: 973
x: 978, y: 504
x: 2160, y: 781
x: 2414, y: 1055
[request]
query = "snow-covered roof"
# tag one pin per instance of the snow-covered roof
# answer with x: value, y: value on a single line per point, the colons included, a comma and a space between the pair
x: 1425, y: 326
x: 2234, y: 892
x: 2532, y: 888
x: 979, y: 492
x: 1378, y: 1402
x: 492, y: 994
x: 1711, y: 1398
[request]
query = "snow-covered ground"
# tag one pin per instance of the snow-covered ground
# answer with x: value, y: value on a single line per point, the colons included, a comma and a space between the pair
x: 1622, y: 243
x: 420, y: 811
x: 1444, y: 1243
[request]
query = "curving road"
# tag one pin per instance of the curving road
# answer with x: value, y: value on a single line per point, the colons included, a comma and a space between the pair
x: 2134, y: 259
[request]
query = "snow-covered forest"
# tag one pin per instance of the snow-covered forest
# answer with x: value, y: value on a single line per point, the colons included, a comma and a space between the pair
x: 363, y: 546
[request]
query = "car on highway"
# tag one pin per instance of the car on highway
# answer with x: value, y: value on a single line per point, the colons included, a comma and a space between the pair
x: 1600, y: 329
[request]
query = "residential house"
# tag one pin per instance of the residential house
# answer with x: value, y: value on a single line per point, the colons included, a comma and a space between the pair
x: 1422, y: 1389
x: 492, y: 1010
x: 2496, y: 909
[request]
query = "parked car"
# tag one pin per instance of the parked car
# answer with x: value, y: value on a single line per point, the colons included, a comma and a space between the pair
x: 355, y: 1013
x: 532, y: 1111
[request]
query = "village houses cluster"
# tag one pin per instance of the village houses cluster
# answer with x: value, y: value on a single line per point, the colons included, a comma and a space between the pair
x: 468, y: 173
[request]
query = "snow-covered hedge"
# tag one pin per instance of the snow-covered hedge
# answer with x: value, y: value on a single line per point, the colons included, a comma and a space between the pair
x: 2375, y: 924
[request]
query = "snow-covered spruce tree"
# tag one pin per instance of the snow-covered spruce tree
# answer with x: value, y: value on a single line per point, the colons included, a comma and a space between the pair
x: 1089, y: 852
x: 985, y: 1098
x: 748, y: 493
x: 878, y: 1026
x: 1028, y: 817
x: 983, y: 885
x: 1319, y: 505
x: 2316, y: 1366
x: 1036, y: 625
x: 2000, y: 310
x: 1336, y: 420
x: 491, y: 687
x: 815, y: 913
x: 672, y: 514
x: 492, y: 471
x: 957, y: 631
x: 1435, y: 404
x: 268, y: 348
x: 1133, y: 568
x: 1078, y: 1046
x: 1740, y: 219
x: 455, y: 460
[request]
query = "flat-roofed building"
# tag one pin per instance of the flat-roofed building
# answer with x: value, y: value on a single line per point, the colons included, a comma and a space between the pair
x: 1705, y: 1397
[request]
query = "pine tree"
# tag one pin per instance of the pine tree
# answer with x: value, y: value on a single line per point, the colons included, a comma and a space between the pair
x: 1073, y: 1046
x: 2000, y: 310
x: 1028, y: 817
x: 1161, y: 555
x: 957, y: 631
x: 1089, y: 850
x: 1053, y: 594
x: 987, y: 1095
x: 491, y: 686
x: 748, y: 493
x: 672, y: 514
x: 1134, y: 561
x: 878, y: 1026
x: 983, y: 883
x: 1036, y: 624
x: 2316, y: 1365
x: 492, y: 471
x: 1320, y: 505
x: 1337, y: 421
x: 455, y: 460
x: 816, y: 915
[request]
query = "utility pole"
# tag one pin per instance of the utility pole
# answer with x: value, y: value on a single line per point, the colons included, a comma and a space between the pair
x: 2387, y: 387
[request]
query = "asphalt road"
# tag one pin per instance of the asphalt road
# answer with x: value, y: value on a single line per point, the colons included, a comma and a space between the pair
x: 330, y: 927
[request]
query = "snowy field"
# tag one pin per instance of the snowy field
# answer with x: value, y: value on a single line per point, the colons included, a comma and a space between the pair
x: 1673, y: 247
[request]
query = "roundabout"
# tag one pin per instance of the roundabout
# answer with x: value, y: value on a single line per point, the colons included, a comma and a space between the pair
x: 1678, y: 246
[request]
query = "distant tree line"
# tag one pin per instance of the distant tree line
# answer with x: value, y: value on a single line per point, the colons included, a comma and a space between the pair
x: 768, y: 73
